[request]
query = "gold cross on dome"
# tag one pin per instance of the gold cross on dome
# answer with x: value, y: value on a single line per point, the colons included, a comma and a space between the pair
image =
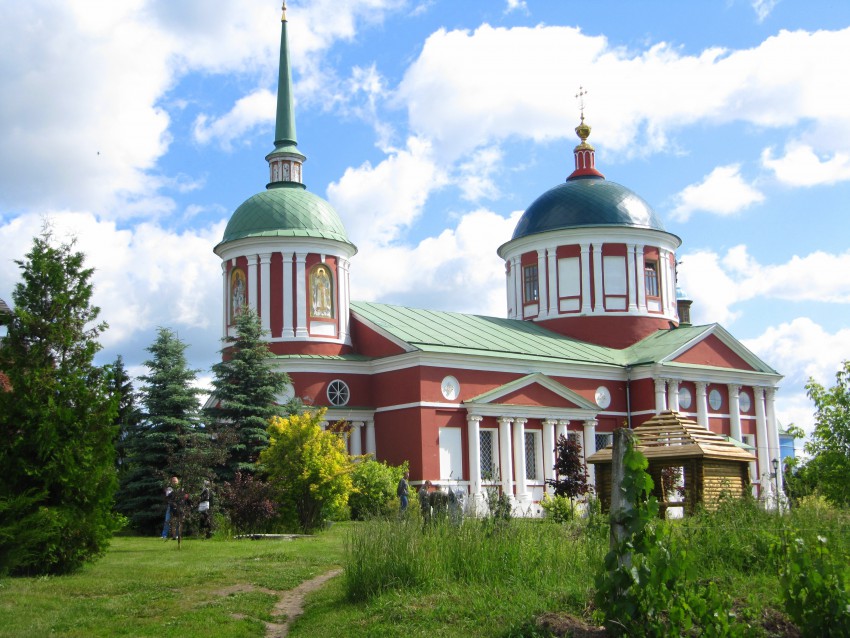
x: 580, y: 97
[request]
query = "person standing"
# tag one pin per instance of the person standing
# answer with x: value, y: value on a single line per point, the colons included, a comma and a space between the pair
x: 403, y: 492
x: 170, y: 503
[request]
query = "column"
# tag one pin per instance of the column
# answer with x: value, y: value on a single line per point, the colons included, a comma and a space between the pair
x: 630, y: 275
x: 762, y: 440
x: 773, y: 432
x: 505, y: 456
x: 598, y: 300
x: 548, y: 451
x: 664, y: 277
x: 517, y: 271
x: 343, y: 299
x: 553, y: 282
x: 252, y: 282
x: 265, y: 291
x: 590, y: 448
x: 519, y: 460
x: 323, y: 425
x: 673, y: 395
x: 473, y: 427
x: 509, y: 286
x: 585, y: 279
x: 735, y: 411
x: 702, y: 404
x: 660, y: 395
x: 563, y: 424
x: 542, y: 296
x: 370, y: 438
x: 356, y: 447
x: 641, y: 283
x: 288, y: 328
x: 301, y: 295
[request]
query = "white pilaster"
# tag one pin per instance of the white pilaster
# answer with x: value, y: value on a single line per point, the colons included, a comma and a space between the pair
x: 553, y: 281
x: 519, y: 460
x: 774, y: 450
x: 225, y: 293
x: 517, y: 271
x: 641, y: 278
x: 506, y: 455
x: 343, y: 298
x: 660, y: 395
x: 265, y: 291
x: 509, y: 288
x: 288, y: 293
x: 702, y: 404
x: 664, y: 274
x: 252, y: 282
x: 590, y: 447
x: 598, y: 299
x: 735, y: 411
x: 473, y: 429
x: 548, y: 451
x: 542, y: 296
x: 630, y: 274
x: 301, y: 295
x: 586, y: 308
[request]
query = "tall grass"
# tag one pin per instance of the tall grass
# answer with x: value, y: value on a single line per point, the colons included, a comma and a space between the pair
x: 382, y: 555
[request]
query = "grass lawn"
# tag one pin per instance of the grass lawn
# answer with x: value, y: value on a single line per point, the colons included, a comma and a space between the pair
x: 149, y: 587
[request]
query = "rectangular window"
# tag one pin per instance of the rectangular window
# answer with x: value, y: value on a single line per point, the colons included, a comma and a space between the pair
x: 531, y: 456
x: 531, y: 288
x: 576, y: 437
x: 486, y: 441
x: 451, y: 458
x: 603, y: 440
x: 650, y: 276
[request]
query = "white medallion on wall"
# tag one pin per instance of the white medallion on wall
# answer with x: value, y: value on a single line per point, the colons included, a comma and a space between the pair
x: 603, y: 397
x: 744, y: 402
x: 450, y: 388
x: 684, y: 398
x: 286, y: 395
x: 714, y: 399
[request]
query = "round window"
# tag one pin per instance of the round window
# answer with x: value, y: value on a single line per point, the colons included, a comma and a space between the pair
x: 744, y: 402
x: 603, y: 397
x: 715, y: 400
x: 338, y: 393
x: 684, y: 398
x: 450, y: 388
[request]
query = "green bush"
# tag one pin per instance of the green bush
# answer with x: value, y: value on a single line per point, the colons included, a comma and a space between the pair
x: 813, y: 586
x: 374, y: 489
x: 560, y: 509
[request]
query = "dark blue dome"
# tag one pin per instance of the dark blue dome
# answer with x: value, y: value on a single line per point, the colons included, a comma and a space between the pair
x: 586, y: 201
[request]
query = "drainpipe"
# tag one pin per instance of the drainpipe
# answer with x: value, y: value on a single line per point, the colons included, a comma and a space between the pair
x: 629, y: 396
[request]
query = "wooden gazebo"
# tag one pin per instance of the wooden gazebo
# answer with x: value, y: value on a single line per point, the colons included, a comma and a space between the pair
x: 712, y: 465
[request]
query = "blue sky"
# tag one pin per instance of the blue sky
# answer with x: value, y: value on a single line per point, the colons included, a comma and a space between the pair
x: 139, y: 126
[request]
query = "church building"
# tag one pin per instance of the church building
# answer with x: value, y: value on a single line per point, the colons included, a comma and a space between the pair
x: 594, y: 337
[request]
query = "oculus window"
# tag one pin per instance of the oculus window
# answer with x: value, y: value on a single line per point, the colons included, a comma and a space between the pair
x: 338, y: 393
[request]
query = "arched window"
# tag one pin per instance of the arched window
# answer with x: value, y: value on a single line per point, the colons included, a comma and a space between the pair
x: 321, y: 292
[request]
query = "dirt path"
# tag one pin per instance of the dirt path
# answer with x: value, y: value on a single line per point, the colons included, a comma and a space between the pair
x: 291, y: 603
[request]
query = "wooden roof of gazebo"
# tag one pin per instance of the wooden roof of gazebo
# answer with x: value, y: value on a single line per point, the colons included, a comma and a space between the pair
x: 670, y: 436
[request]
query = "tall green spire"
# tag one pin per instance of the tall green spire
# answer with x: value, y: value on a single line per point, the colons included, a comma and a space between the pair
x: 285, y: 160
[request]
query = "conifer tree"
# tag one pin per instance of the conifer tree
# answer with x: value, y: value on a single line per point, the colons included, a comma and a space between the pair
x: 57, y: 419
x: 129, y: 415
x: 169, y: 441
x: 246, y: 389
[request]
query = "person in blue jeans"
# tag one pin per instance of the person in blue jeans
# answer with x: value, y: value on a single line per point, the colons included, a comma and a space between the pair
x: 403, y: 492
x: 170, y: 503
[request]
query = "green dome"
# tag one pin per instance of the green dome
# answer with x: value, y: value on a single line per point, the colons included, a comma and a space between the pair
x: 285, y: 209
x: 586, y: 201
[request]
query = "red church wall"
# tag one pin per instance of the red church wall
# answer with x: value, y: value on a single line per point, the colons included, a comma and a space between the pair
x: 396, y: 387
x: 309, y: 347
x: 369, y: 343
x: 719, y: 425
x: 398, y: 438
x: 614, y: 332
x: 535, y: 395
x: 711, y: 351
x: 314, y: 387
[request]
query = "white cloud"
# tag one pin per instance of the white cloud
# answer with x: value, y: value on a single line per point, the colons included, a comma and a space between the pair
x: 801, y: 166
x: 763, y: 8
x: 378, y: 202
x: 247, y: 114
x: 475, y: 175
x: 717, y: 282
x: 722, y: 192
x: 516, y: 5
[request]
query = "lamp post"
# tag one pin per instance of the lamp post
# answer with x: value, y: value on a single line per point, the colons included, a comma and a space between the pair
x: 775, y: 463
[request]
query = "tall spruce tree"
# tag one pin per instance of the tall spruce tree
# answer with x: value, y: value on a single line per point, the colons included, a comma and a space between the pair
x: 245, y: 392
x: 129, y: 415
x: 169, y: 441
x: 57, y: 420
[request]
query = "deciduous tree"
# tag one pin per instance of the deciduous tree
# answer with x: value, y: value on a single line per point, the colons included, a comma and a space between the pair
x: 57, y: 421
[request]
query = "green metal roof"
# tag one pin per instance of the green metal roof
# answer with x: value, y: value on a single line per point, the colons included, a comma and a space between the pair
x: 458, y: 333
x: 285, y: 209
x: 586, y: 201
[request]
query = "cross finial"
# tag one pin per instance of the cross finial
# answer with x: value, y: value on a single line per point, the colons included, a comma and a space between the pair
x: 580, y: 97
x: 283, y: 8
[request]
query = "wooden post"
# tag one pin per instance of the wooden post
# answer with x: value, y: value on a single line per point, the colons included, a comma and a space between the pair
x: 621, y: 507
